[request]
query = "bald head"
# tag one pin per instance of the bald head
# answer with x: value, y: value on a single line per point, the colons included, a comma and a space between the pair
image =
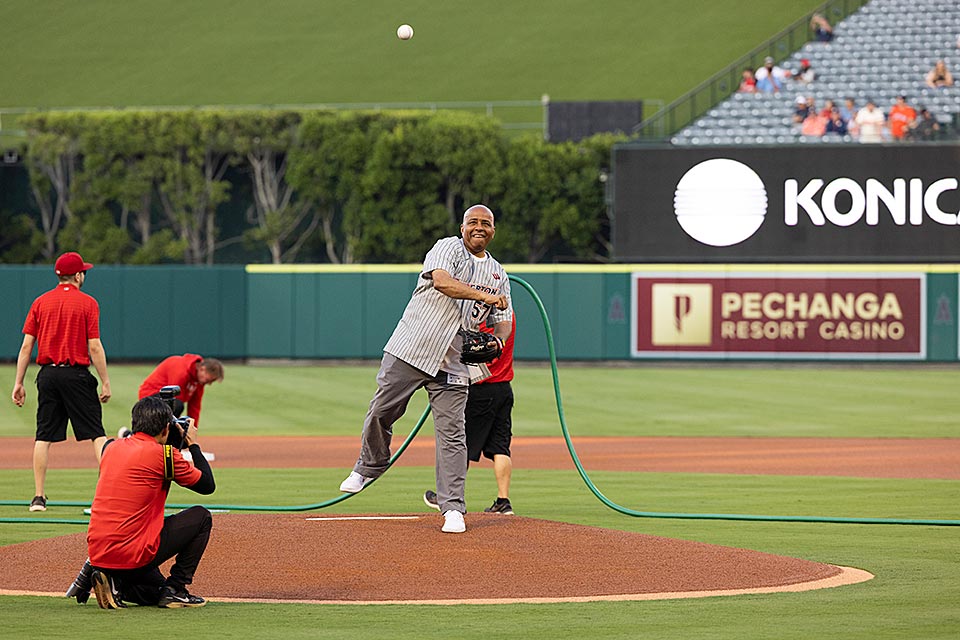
x: 477, y: 229
x: 477, y: 208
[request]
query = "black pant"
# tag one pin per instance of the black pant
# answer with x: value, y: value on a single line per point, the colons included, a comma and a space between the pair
x: 184, y: 535
x: 67, y: 393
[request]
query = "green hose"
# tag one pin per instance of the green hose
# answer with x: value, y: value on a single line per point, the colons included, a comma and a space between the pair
x: 573, y: 455
x: 231, y: 507
x: 687, y: 516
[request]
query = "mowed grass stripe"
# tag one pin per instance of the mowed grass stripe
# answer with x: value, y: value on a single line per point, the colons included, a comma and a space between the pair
x: 714, y: 400
x: 166, y: 52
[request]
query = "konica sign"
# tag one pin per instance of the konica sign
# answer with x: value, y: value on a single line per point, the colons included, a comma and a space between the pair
x: 825, y: 203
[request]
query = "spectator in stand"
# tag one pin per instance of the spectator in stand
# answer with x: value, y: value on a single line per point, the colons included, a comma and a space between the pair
x: 870, y: 121
x: 828, y: 108
x: 849, y: 114
x: 939, y: 76
x: 770, y: 77
x: 800, y: 109
x: 815, y: 124
x: 925, y: 127
x: 805, y: 74
x: 836, y: 124
x: 901, y: 117
x: 822, y: 31
x: 849, y: 110
x: 748, y: 83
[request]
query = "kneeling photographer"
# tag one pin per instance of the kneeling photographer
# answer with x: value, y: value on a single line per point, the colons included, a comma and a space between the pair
x: 128, y: 537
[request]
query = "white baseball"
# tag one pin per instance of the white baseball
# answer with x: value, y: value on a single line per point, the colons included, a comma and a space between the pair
x: 404, y: 32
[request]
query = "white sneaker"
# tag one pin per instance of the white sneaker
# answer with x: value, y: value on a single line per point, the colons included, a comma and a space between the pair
x: 354, y: 483
x: 124, y: 433
x: 453, y: 522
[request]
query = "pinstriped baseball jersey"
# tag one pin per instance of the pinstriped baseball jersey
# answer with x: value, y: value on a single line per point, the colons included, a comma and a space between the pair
x: 431, y: 321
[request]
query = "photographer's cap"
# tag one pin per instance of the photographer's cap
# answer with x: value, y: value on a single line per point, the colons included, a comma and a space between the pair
x: 70, y: 264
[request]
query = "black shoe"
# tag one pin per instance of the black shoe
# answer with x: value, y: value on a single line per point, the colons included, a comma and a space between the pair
x: 171, y: 598
x: 39, y: 503
x: 80, y: 589
x: 500, y: 506
x: 104, y: 587
x: 430, y: 499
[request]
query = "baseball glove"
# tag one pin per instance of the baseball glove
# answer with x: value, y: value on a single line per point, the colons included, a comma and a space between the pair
x: 479, y: 347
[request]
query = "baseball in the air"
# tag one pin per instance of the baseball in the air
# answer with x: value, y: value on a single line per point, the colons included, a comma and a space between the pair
x: 404, y: 32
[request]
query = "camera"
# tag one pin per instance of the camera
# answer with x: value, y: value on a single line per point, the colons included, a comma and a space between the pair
x: 178, y: 426
x: 176, y: 436
x: 168, y: 393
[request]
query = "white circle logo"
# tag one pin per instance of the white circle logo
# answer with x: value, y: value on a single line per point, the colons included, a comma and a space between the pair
x: 720, y: 202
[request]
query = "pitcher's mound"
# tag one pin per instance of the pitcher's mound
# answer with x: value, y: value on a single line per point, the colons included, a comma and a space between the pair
x: 406, y: 559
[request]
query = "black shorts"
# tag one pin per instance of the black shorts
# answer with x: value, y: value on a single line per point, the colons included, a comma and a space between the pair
x: 68, y: 393
x: 488, y: 422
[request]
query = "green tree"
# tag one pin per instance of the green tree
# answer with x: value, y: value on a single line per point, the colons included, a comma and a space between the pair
x: 284, y: 219
x: 97, y: 237
x: 553, y: 199
x: 191, y: 156
x: 419, y: 178
x: 52, y: 159
x: 327, y: 167
x: 117, y: 172
x: 21, y: 242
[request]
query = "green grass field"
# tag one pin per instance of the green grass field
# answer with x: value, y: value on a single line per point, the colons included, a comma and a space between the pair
x: 798, y: 400
x: 913, y: 596
x: 148, y: 52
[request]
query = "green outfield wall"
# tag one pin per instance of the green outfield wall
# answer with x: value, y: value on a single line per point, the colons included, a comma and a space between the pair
x: 597, y: 312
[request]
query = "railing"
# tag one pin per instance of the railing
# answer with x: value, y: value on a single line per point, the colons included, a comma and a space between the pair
x: 692, y: 105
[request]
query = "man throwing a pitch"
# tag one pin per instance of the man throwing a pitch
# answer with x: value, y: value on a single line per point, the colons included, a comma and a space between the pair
x: 460, y: 286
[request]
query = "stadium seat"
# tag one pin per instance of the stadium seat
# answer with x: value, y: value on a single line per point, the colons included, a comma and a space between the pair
x: 884, y: 49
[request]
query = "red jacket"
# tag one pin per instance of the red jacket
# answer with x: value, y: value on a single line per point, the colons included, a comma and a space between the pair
x: 127, y: 512
x: 501, y: 369
x: 182, y: 371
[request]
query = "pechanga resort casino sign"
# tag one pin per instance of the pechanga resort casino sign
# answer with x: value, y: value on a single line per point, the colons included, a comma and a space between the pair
x: 784, y: 315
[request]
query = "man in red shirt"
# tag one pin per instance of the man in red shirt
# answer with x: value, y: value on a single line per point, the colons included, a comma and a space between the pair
x: 191, y: 373
x: 901, y: 117
x: 488, y: 424
x: 128, y: 537
x: 64, y: 323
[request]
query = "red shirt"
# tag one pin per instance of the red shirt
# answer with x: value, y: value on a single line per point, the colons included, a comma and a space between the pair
x: 62, y: 320
x: 127, y: 512
x: 901, y: 116
x: 501, y: 369
x: 181, y: 371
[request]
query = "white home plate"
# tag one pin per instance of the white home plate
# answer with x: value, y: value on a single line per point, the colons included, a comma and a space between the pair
x: 369, y: 518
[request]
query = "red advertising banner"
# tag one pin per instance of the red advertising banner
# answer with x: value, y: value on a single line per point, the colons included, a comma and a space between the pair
x: 779, y: 314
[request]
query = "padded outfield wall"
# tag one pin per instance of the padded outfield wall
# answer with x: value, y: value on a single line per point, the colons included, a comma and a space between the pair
x: 609, y: 312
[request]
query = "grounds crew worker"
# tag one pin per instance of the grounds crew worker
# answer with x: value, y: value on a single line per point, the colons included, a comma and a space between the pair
x: 64, y: 323
x: 191, y: 373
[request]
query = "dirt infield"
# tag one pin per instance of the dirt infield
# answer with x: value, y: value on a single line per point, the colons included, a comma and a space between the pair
x: 405, y: 558
x: 319, y: 558
x: 857, y: 457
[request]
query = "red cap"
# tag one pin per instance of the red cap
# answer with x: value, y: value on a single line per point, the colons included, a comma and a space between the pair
x: 71, y: 263
x: 805, y: 62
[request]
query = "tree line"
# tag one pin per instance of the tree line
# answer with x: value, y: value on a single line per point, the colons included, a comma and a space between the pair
x: 147, y: 187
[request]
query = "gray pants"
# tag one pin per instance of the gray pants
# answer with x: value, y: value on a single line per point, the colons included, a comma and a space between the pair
x: 397, y: 381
